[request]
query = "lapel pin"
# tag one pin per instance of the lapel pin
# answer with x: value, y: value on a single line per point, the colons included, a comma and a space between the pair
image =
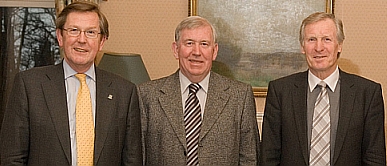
x: 110, y: 97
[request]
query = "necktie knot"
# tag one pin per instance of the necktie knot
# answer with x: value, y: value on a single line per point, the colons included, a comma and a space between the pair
x: 81, y: 77
x: 194, y: 88
x: 322, y: 84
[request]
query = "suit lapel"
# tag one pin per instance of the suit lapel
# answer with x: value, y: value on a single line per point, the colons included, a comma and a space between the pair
x: 299, y: 98
x: 347, y: 99
x: 171, y: 103
x: 104, y: 110
x: 216, y: 101
x: 55, y: 94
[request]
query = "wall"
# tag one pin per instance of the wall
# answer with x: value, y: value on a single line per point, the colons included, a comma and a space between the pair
x: 364, y: 49
x: 147, y: 27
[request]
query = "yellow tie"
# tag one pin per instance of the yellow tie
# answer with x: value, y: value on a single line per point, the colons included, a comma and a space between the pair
x: 84, y: 124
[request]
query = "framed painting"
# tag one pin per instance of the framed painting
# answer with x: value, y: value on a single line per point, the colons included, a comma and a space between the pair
x: 258, y: 39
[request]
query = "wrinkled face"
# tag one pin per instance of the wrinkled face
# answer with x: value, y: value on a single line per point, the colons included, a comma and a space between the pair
x: 321, y: 47
x: 80, y: 51
x: 195, y: 51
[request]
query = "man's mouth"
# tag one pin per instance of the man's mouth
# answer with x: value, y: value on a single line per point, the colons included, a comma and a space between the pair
x: 80, y: 50
x: 195, y: 61
x: 319, y: 57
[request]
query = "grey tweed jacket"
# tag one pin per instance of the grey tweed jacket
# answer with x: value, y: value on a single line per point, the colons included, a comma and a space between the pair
x: 229, y: 133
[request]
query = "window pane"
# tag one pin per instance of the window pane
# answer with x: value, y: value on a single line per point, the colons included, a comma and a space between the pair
x: 27, y: 40
x: 31, y: 36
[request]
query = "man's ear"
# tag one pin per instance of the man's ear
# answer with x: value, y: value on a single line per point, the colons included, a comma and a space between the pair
x: 175, y: 50
x: 215, y: 54
x: 59, y: 37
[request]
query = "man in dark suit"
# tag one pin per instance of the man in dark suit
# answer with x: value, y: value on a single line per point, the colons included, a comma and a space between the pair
x: 40, y: 125
x: 354, y: 132
x: 227, y: 127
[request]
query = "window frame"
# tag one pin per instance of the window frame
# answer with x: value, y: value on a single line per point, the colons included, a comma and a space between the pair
x: 28, y: 3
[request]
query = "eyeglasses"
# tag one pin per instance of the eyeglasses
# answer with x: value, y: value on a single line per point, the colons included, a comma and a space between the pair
x: 75, y: 32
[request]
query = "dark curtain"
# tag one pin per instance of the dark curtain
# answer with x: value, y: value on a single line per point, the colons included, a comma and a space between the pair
x: 5, y: 64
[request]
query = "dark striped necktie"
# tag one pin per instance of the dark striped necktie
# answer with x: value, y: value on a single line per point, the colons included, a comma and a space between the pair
x: 193, y: 121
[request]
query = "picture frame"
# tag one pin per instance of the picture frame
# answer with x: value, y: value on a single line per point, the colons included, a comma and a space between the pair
x: 258, y: 39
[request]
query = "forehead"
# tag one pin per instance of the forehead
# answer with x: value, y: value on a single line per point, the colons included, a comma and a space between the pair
x: 84, y: 19
x: 197, y: 33
x: 326, y: 27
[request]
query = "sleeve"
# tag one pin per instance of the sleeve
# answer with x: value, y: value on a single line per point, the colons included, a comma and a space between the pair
x: 133, y: 150
x: 144, y: 124
x: 374, y: 148
x: 249, y: 143
x: 271, y: 129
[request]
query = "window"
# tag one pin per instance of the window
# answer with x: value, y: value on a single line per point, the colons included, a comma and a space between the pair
x: 28, y: 40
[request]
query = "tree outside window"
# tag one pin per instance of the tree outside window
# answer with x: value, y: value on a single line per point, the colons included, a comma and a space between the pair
x: 27, y: 40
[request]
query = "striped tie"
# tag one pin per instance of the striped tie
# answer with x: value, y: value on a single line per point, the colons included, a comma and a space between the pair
x: 192, y: 119
x: 84, y: 124
x: 320, y: 142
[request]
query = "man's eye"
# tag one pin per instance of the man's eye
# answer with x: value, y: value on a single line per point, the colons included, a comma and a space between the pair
x: 91, y: 32
x: 74, y: 30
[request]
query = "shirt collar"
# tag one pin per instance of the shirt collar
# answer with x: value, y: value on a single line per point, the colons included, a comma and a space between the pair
x: 185, y: 82
x: 69, y: 72
x: 331, y: 80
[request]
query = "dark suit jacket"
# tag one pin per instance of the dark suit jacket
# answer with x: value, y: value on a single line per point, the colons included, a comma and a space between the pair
x: 36, y: 125
x: 229, y: 132
x: 360, y: 130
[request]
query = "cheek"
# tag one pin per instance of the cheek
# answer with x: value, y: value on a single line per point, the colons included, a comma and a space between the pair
x: 308, y: 48
x: 68, y: 41
x: 184, y: 53
x: 302, y: 49
x: 308, y: 59
x: 334, y: 58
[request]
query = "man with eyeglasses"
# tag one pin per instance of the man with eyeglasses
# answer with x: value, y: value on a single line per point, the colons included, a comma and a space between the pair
x: 42, y: 124
x: 75, y: 32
